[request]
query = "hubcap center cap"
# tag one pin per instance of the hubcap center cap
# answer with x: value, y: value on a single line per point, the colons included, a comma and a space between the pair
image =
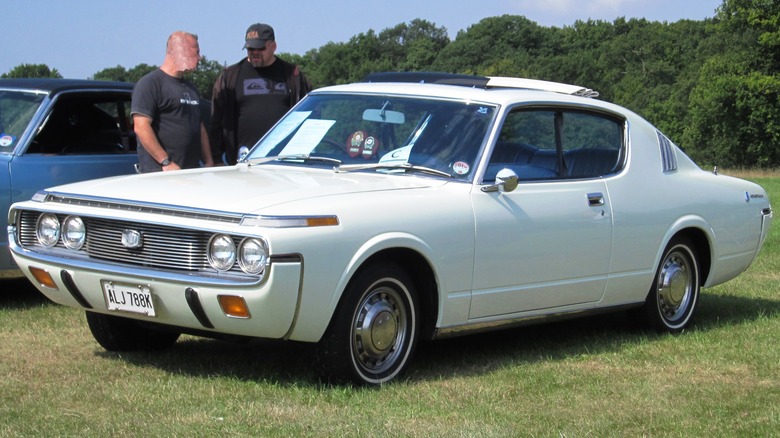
x: 383, y: 331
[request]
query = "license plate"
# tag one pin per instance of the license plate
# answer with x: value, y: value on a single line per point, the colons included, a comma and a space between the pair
x: 128, y: 298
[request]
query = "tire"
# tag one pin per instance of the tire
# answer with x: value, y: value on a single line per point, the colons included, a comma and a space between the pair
x: 374, y: 331
x: 672, y: 299
x: 115, y: 333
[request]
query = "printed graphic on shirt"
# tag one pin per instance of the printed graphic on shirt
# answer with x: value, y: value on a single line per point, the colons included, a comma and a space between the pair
x: 187, y: 99
x: 263, y: 86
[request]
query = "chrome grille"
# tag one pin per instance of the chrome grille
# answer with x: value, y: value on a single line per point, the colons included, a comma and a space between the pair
x: 164, y: 247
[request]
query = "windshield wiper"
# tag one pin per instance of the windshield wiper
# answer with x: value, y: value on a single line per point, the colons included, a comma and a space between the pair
x: 391, y: 166
x: 296, y: 157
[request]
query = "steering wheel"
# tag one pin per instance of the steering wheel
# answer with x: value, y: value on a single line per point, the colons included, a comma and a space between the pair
x: 336, y: 147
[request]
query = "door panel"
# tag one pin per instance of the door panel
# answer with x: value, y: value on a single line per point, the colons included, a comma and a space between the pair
x: 544, y: 245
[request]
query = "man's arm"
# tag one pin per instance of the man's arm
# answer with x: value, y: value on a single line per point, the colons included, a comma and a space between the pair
x: 205, y: 148
x: 148, y: 140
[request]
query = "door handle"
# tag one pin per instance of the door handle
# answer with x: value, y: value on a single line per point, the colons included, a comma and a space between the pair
x: 595, y: 199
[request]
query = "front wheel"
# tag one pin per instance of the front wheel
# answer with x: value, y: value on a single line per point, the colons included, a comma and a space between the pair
x: 115, y: 333
x: 672, y: 299
x: 374, y: 330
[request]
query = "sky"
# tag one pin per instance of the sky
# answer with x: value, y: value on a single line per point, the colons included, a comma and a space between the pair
x: 81, y: 37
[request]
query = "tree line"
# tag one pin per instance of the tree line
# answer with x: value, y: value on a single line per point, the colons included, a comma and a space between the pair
x: 712, y: 85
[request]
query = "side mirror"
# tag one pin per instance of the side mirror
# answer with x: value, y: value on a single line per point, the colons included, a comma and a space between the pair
x: 243, y: 151
x: 506, y: 181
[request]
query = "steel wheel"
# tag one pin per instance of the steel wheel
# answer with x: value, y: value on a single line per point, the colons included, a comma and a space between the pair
x: 374, y: 330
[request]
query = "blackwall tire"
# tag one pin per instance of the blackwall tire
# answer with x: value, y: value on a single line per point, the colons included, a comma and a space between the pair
x: 122, y: 334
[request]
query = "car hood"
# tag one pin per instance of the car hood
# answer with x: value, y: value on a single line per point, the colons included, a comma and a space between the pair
x: 240, y: 188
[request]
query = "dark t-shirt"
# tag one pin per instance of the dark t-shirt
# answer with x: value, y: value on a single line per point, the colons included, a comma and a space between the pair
x: 173, y: 106
x: 263, y: 98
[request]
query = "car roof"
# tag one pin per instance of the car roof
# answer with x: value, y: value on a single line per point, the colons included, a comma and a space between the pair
x: 56, y: 85
x: 503, y: 91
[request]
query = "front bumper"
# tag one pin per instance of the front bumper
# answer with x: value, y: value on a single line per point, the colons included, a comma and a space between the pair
x: 180, y: 300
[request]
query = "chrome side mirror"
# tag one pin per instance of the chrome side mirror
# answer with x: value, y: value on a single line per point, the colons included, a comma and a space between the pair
x: 506, y: 181
x: 243, y: 151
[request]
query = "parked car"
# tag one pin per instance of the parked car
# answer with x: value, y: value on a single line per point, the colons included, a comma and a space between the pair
x: 56, y: 131
x: 405, y: 207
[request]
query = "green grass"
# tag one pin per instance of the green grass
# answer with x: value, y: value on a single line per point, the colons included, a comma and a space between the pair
x: 591, y: 377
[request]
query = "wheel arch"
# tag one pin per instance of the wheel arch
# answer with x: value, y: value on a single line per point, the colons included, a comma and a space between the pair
x: 422, y: 274
x: 702, y: 244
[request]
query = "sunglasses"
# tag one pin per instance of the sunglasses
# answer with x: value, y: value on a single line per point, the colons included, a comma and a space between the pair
x: 258, y: 49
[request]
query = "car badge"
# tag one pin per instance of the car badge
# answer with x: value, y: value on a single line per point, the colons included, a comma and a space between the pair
x: 132, y: 239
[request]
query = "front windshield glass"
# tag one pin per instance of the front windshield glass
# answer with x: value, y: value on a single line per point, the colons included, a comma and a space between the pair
x: 17, y: 108
x: 384, y: 133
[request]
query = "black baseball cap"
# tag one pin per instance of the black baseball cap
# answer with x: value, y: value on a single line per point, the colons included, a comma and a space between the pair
x: 257, y: 35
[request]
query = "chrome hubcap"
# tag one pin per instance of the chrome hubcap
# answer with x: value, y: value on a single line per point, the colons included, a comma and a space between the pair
x: 675, y: 286
x: 379, y: 329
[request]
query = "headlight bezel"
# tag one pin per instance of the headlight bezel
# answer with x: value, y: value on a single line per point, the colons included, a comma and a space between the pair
x: 220, y: 262
x: 73, y: 244
x: 50, y: 236
x: 245, y: 262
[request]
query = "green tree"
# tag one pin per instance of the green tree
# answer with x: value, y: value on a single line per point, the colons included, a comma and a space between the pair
x: 735, y: 105
x: 505, y: 45
x: 204, y: 76
x: 32, y: 71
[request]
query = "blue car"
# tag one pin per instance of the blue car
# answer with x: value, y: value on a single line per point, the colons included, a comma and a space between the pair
x: 57, y: 131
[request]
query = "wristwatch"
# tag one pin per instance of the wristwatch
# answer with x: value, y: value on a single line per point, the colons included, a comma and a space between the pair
x: 165, y: 162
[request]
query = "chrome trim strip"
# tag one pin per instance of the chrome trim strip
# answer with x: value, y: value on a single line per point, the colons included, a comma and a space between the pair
x: 138, y: 207
x: 294, y: 322
x: 488, y: 326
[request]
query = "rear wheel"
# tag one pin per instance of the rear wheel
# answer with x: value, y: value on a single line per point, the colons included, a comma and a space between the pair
x: 374, y: 330
x: 115, y: 333
x: 672, y: 300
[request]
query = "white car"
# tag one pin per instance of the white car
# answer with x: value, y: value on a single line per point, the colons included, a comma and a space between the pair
x: 406, y: 207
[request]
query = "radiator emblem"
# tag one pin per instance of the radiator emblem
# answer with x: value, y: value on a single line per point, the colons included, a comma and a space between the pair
x: 132, y: 239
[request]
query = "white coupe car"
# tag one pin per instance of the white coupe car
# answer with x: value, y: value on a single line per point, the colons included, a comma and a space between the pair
x: 406, y: 207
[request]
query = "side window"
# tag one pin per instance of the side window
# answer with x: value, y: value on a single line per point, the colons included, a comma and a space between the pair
x: 86, y: 123
x: 557, y: 144
x: 591, y: 145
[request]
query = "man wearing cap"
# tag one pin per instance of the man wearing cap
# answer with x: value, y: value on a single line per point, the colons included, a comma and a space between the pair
x: 253, y: 94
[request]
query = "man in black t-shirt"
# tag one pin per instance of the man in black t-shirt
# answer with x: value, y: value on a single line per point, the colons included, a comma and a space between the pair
x: 166, y: 111
x: 252, y: 95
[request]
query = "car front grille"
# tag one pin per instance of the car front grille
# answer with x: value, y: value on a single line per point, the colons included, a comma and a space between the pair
x: 164, y: 247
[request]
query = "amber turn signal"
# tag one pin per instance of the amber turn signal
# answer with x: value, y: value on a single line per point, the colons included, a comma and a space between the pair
x: 44, y: 278
x: 233, y: 306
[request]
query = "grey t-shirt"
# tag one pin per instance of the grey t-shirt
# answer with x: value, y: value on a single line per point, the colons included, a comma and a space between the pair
x: 173, y: 105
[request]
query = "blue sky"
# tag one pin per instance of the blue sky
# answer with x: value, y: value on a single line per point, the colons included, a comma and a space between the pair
x: 80, y: 38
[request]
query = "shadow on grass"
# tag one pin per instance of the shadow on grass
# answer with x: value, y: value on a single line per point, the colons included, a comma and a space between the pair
x: 294, y: 364
x: 19, y: 293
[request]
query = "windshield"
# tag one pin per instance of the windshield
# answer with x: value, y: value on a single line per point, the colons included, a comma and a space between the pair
x: 17, y: 108
x: 383, y: 133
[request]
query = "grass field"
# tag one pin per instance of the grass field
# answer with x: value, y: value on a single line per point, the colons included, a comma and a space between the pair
x: 592, y: 377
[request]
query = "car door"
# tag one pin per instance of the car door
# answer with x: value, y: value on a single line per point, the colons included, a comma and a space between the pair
x: 84, y: 136
x: 548, y: 243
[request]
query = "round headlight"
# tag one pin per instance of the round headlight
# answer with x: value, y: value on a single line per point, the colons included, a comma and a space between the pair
x: 48, y: 230
x: 74, y: 233
x: 253, y: 255
x: 222, y: 252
